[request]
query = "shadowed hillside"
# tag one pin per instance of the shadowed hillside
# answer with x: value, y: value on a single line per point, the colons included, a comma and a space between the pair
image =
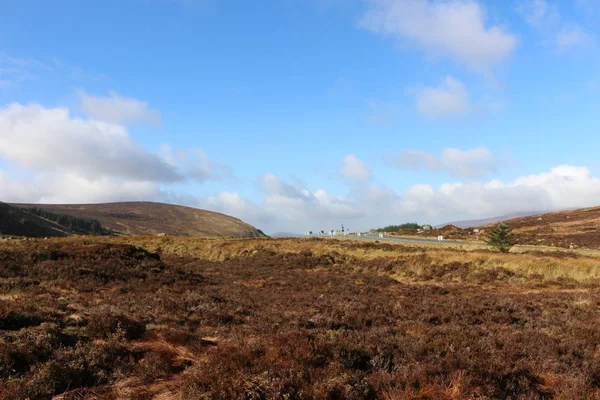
x: 17, y: 222
x: 146, y: 218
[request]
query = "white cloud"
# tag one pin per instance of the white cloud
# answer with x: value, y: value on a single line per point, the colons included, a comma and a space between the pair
x: 295, y: 208
x: 573, y: 36
x: 381, y: 114
x: 274, y: 186
x: 22, y: 62
x: 14, y: 70
x: 562, y: 187
x: 451, y: 98
x: 231, y: 203
x: 63, y: 159
x: 546, y: 18
x: 41, y: 138
x: 368, y: 206
x: 297, y: 203
x: 69, y: 187
x: 17, y: 191
x: 75, y: 189
x: 472, y: 163
x: 354, y: 169
x: 196, y: 164
x: 452, y: 28
x: 539, y: 14
x: 117, y: 109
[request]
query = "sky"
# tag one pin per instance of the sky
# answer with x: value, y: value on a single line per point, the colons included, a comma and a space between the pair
x: 297, y: 115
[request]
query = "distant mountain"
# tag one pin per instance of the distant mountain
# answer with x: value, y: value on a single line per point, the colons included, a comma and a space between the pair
x: 285, y: 234
x: 17, y: 222
x: 146, y: 218
x: 486, y: 221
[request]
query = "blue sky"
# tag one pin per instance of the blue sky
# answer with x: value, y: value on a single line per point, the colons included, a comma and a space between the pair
x: 303, y: 114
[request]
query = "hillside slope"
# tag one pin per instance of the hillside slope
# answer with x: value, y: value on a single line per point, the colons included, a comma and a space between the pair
x: 487, y: 221
x: 146, y: 218
x: 567, y: 229
x: 572, y: 228
x: 17, y: 222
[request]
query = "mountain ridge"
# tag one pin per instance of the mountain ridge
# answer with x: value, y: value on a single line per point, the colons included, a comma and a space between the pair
x: 151, y: 218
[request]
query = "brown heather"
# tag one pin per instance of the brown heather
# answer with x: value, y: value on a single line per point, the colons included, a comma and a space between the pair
x: 171, y: 318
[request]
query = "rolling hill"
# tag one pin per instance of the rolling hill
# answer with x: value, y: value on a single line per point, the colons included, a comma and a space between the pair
x: 146, y: 218
x: 17, y: 222
x: 567, y: 229
x: 486, y: 221
x: 571, y: 228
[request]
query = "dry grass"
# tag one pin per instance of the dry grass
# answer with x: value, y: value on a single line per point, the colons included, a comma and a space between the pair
x: 579, y: 228
x: 167, y: 318
x: 547, y: 264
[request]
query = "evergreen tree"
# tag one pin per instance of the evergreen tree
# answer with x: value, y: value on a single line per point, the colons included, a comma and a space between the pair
x: 502, y: 238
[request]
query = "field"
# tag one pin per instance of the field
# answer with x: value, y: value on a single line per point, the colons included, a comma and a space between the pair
x: 174, y: 318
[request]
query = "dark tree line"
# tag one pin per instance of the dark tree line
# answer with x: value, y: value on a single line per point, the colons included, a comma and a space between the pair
x: 395, y: 228
x: 83, y: 226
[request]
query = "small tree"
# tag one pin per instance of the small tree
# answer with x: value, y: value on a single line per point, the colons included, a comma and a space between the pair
x: 502, y: 238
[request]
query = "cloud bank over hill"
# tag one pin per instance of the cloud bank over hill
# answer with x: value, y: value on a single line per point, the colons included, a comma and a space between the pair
x: 63, y: 158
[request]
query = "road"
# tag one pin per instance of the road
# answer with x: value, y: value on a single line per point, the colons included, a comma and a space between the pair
x: 398, y: 239
x: 375, y: 236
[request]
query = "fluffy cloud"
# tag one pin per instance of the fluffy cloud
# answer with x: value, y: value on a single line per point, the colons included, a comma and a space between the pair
x: 451, y: 98
x: 473, y: 163
x: 39, y: 138
x: 562, y: 187
x: 70, y: 187
x: 17, y: 191
x: 354, y: 169
x: 453, y: 28
x: 117, y: 109
x: 63, y: 159
x: 297, y: 209
x: 234, y: 204
x: 76, y: 189
x: 52, y: 140
x: 297, y: 203
x: 196, y: 164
